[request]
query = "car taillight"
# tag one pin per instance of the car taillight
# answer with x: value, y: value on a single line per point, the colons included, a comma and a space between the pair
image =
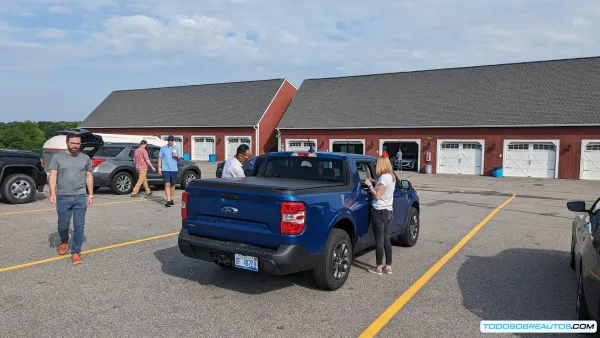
x: 293, y: 216
x: 184, y: 199
x: 96, y: 162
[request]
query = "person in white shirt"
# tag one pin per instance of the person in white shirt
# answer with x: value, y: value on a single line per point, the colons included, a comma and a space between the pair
x: 382, y: 212
x: 233, y: 167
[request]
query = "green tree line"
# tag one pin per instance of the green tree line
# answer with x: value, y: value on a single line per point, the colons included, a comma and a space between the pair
x: 29, y: 135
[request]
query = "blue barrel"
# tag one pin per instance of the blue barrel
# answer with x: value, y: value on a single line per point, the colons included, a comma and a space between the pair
x: 186, y: 157
x: 497, y: 172
x: 212, y: 158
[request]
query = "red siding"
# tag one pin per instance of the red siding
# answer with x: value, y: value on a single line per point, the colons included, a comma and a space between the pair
x: 187, y: 133
x: 270, y: 120
x: 569, y: 161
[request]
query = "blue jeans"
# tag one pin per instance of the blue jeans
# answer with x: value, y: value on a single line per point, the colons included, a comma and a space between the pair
x: 71, y: 206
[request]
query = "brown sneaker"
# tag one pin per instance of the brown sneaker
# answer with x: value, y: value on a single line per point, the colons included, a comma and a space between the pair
x: 76, y: 259
x: 62, y: 248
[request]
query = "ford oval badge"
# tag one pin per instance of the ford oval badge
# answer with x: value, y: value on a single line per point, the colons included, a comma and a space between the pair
x: 229, y: 210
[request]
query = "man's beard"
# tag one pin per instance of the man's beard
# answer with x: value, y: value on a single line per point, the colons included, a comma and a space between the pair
x: 74, y: 151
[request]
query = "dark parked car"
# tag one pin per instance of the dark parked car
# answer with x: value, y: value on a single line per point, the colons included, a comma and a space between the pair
x: 248, y: 167
x: 585, y: 258
x: 21, y: 175
x: 114, y: 166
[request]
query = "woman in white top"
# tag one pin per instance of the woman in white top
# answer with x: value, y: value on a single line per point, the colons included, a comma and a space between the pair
x: 382, y: 212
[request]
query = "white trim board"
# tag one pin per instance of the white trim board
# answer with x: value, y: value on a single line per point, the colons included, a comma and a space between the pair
x: 584, y: 143
x: 556, y: 143
x: 214, y: 137
x: 403, y: 140
x: 439, y: 147
x: 333, y: 140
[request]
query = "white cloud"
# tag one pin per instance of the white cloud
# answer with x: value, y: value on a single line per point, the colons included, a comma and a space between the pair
x: 297, y: 36
x: 51, y: 33
x: 60, y: 10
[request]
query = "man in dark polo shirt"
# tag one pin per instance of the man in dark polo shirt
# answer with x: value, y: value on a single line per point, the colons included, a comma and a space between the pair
x: 70, y: 175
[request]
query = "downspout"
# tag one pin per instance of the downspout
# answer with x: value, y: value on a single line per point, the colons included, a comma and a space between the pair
x: 256, y: 147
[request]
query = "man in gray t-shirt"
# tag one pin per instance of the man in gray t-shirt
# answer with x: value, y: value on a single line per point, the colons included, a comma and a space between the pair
x: 70, y: 175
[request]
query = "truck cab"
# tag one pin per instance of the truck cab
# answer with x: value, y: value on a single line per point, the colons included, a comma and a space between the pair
x: 299, y: 211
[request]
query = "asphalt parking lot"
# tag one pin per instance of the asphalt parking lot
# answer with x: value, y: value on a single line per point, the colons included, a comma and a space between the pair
x: 513, y: 264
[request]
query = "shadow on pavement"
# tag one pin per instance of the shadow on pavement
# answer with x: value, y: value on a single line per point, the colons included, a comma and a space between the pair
x: 519, y: 284
x: 54, y: 238
x: 174, y: 263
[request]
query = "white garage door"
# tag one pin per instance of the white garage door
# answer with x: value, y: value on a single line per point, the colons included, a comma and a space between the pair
x: 203, y: 147
x: 233, y: 142
x: 530, y: 159
x: 591, y: 161
x: 299, y: 145
x: 460, y: 158
x: 178, y: 142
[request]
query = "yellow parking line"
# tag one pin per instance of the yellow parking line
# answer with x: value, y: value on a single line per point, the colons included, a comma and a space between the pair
x: 56, y: 258
x: 391, y: 311
x: 95, y: 204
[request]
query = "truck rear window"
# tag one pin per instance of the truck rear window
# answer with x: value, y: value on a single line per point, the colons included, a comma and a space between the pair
x: 305, y: 168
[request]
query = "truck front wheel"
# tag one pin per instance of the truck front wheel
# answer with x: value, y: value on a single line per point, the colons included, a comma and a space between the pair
x: 334, y: 267
x: 19, y: 189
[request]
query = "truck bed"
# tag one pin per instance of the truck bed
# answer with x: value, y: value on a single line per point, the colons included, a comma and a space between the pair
x: 270, y: 185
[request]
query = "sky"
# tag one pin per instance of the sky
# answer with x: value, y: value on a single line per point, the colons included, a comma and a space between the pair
x: 60, y: 58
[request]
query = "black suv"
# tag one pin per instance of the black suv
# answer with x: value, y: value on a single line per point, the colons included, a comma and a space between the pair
x: 114, y: 166
x: 21, y: 175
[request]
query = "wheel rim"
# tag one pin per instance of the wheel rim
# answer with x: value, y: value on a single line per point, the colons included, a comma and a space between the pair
x: 123, y: 183
x: 190, y: 177
x: 340, y: 261
x: 20, y: 189
x: 414, y: 226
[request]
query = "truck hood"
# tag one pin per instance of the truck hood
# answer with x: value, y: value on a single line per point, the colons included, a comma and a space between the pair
x: 18, y: 153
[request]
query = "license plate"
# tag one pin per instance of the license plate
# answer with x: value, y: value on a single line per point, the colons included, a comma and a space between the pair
x: 246, y: 262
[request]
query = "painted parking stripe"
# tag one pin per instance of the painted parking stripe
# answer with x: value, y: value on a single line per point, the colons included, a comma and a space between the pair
x: 93, y: 205
x: 391, y: 311
x: 56, y: 258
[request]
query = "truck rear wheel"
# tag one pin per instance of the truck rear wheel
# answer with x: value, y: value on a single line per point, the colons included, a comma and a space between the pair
x: 334, y: 267
x: 19, y: 189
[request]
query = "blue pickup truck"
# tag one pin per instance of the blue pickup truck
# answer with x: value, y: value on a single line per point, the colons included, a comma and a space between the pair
x: 299, y: 211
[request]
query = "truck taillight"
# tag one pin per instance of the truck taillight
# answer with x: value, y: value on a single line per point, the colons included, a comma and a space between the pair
x: 293, y: 217
x: 184, y: 199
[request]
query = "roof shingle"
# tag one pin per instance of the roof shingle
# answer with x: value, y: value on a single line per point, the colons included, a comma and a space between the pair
x: 556, y: 92
x: 232, y: 104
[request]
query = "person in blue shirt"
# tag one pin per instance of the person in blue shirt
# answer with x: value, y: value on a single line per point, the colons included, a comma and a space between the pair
x: 167, y: 167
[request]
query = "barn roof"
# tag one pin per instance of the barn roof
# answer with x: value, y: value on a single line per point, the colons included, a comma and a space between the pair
x: 543, y: 93
x: 234, y: 104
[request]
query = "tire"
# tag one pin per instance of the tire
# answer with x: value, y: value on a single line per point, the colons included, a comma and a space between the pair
x: 337, y: 243
x: 19, y: 189
x: 187, y: 177
x: 581, y: 311
x: 122, y: 183
x: 411, y: 233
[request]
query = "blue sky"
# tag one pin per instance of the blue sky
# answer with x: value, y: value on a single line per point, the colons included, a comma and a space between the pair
x: 63, y: 57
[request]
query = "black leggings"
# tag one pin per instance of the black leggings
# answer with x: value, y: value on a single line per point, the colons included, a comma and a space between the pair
x: 381, y: 220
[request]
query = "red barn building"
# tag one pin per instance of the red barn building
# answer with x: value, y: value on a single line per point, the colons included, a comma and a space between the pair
x: 205, y: 119
x: 534, y: 119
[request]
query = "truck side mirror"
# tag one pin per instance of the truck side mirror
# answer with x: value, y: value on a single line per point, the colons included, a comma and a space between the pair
x: 576, y: 206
